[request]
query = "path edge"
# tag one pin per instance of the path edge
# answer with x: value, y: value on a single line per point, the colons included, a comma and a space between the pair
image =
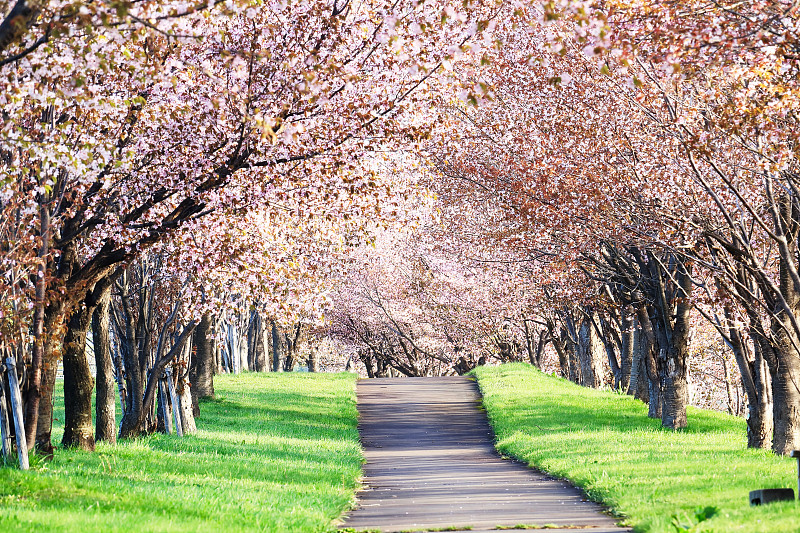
x: 606, y: 509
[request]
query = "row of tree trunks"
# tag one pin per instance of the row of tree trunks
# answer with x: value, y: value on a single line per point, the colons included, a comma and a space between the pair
x: 639, y: 345
x: 583, y: 355
x: 654, y: 343
x: 650, y: 299
x: 255, y: 344
x: 134, y: 371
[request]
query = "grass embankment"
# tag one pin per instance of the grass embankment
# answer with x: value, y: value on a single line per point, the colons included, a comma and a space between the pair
x: 604, y: 443
x: 274, y: 452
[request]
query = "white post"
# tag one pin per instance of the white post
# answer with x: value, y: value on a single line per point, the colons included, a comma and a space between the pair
x: 16, y: 404
x: 176, y: 406
x: 162, y: 397
x: 5, y: 431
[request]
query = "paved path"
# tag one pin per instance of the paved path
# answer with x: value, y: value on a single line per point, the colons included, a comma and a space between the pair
x: 431, y: 465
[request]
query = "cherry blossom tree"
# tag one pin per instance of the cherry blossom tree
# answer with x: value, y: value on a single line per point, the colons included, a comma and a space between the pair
x: 179, y: 110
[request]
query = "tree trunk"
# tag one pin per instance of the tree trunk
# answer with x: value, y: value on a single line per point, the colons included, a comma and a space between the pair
x: 563, y: 358
x: 163, y: 414
x: 786, y: 409
x: 292, y: 344
x: 241, y: 352
x: 219, y: 365
x: 33, y: 394
x: 675, y: 390
x: 649, y: 345
x: 201, y: 368
x: 733, y: 408
x: 784, y: 359
x: 785, y: 371
x: 674, y: 371
x: 187, y: 416
x: 44, y: 422
x: 638, y: 387
x: 260, y: 356
x: 540, y: 346
x: 217, y: 349
x: 232, y: 349
x: 78, y: 382
x: 365, y: 355
x: 574, y: 364
x: 185, y: 399
x: 755, y: 382
x: 105, y: 420
x: 255, y: 343
x: 130, y: 426
x: 626, y: 353
x: 133, y: 420
x: 590, y: 353
x: 277, y: 348
x: 529, y: 343
x: 570, y: 340
x: 252, y: 325
x: 313, y: 360
x: 267, y: 346
x: 611, y: 341
x: 759, y: 423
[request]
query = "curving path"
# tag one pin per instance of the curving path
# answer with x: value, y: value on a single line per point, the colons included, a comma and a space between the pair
x: 431, y: 465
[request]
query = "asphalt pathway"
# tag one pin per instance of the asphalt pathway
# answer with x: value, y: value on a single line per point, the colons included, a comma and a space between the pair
x: 431, y: 465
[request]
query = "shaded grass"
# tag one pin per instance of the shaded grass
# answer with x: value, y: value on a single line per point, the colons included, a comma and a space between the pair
x: 604, y: 443
x: 274, y: 452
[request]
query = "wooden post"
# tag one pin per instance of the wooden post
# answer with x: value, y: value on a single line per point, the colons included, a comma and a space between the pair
x: 162, y: 399
x: 5, y: 431
x: 16, y: 404
x: 176, y: 406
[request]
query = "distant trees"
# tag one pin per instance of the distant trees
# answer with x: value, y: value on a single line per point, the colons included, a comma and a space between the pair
x: 660, y: 170
x: 634, y: 171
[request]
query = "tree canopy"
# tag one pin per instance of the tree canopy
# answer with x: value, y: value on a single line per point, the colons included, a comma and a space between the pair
x: 606, y: 189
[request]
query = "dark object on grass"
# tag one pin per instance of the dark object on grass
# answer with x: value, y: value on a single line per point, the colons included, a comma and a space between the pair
x: 796, y: 455
x: 764, y: 496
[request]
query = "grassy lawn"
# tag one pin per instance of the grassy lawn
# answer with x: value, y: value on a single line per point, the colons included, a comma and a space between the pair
x: 274, y: 452
x: 604, y: 443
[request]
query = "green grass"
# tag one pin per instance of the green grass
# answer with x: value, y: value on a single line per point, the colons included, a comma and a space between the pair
x: 274, y: 452
x: 604, y: 443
